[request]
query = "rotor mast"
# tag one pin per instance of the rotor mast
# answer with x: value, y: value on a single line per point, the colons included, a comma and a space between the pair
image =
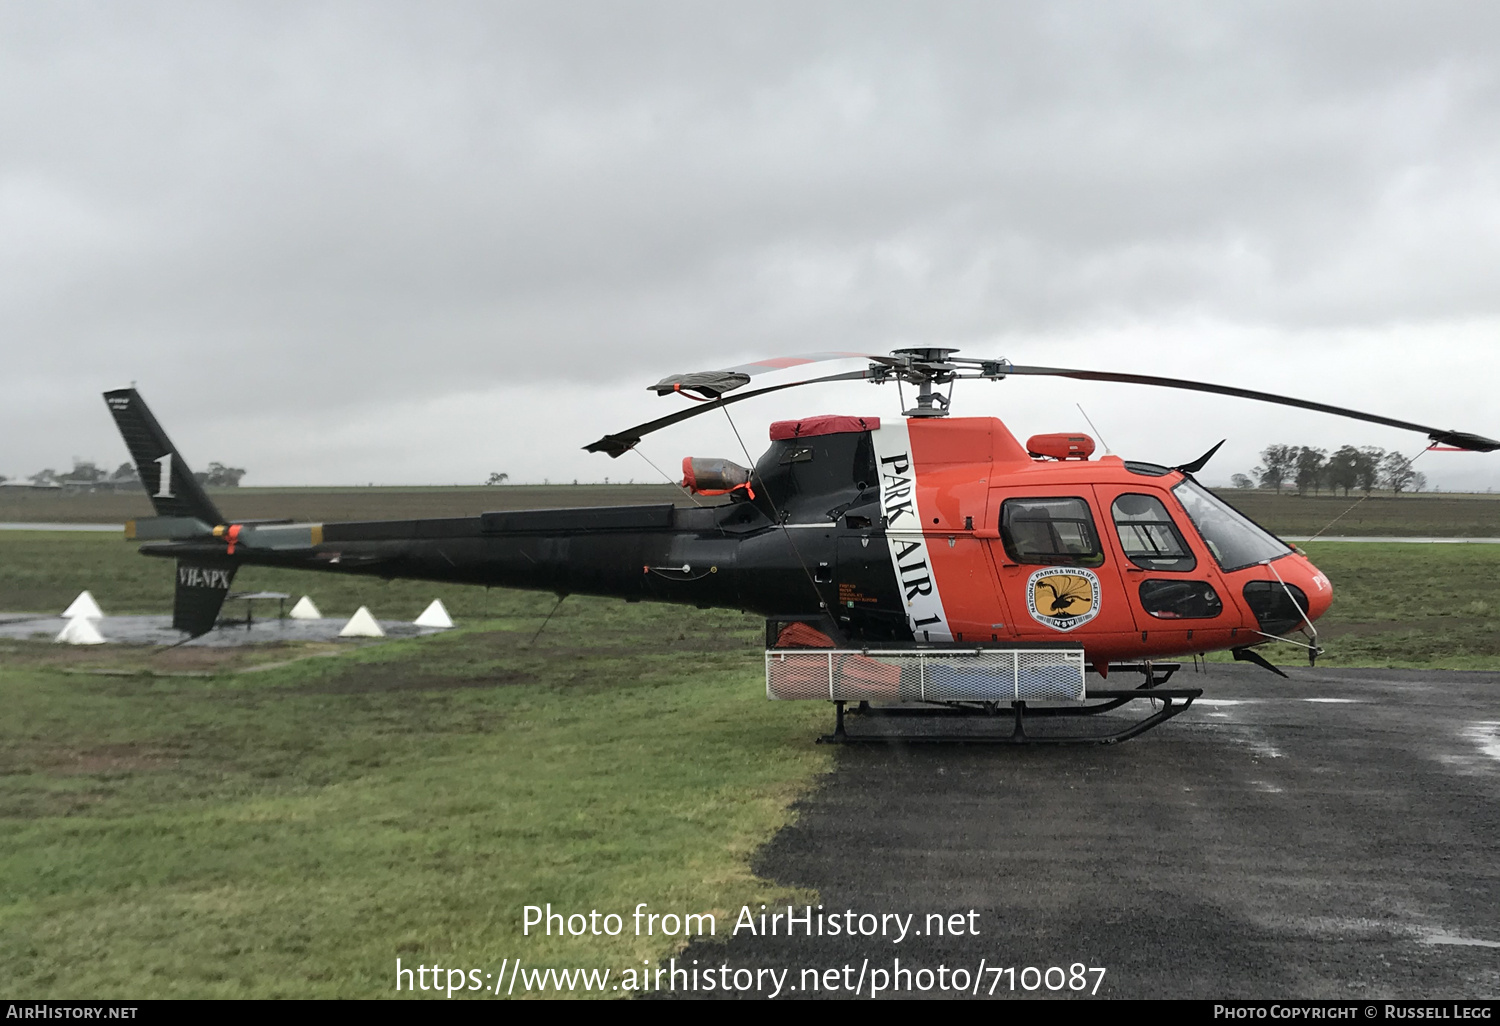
x: 930, y: 368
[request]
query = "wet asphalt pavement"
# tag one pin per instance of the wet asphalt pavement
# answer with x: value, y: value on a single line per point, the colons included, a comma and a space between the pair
x: 1332, y: 836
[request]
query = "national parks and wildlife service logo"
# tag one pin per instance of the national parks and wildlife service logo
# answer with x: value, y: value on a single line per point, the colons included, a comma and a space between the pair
x: 1062, y: 598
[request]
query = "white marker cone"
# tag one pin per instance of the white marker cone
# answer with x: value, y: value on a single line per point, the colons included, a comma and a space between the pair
x: 305, y: 610
x: 435, y: 615
x: 362, y: 625
x: 84, y: 605
x: 80, y: 631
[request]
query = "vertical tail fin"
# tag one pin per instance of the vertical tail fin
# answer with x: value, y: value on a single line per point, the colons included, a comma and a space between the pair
x: 201, y: 588
x: 168, y: 481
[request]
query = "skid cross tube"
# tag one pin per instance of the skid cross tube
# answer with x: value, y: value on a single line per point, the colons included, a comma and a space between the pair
x: 1174, y: 701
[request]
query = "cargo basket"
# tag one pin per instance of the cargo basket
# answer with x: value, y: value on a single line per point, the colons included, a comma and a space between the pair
x: 926, y: 675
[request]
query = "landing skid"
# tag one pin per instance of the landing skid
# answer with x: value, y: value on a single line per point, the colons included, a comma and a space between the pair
x: 1173, y: 702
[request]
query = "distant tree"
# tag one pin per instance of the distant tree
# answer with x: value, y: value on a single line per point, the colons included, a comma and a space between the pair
x: 1396, y: 473
x: 1309, y: 468
x: 1241, y: 481
x: 1419, y: 483
x: 125, y: 472
x: 1368, y: 476
x: 1278, y: 462
x: 1342, y: 470
x: 44, y: 477
x: 221, y: 476
x: 496, y: 479
x: 83, y: 472
x: 3, y: 479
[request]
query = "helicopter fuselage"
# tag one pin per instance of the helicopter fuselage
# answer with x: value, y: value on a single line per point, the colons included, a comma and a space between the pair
x: 925, y: 530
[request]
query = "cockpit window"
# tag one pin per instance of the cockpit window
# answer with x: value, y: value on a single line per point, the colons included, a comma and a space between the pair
x: 1148, y: 536
x: 1235, y: 541
x: 1052, y: 532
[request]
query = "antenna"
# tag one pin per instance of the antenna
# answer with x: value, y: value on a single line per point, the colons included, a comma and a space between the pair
x: 1091, y: 425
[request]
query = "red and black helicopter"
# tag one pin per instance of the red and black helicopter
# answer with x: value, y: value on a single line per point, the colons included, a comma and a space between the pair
x: 934, y: 562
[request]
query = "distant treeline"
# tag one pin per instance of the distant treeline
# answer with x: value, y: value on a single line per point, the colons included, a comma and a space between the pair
x: 89, y: 476
x: 1350, y: 468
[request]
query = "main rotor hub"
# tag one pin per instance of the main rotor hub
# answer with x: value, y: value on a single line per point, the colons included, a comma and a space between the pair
x: 924, y: 355
x: 930, y: 367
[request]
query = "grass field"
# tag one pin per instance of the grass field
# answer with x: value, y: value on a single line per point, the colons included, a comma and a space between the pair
x: 1403, y: 605
x: 1382, y: 516
x: 283, y: 822
x: 1431, y: 606
x: 177, y: 827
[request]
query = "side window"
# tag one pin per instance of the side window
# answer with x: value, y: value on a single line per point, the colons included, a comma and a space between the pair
x: 1052, y: 532
x: 1180, y: 600
x: 1148, y: 536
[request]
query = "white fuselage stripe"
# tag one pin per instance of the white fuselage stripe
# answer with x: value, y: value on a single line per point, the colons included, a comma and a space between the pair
x: 908, y: 547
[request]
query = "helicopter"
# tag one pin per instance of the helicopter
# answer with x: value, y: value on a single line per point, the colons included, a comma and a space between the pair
x: 932, y: 566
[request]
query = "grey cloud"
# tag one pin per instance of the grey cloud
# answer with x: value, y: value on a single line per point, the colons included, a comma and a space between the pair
x: 341, y: 203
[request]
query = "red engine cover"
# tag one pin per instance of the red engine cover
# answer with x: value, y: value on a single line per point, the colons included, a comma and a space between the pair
x: 1061, y: 447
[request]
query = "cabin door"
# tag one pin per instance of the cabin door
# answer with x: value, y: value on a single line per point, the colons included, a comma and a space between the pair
x: 1171, y: 581
x: 1057, y: 576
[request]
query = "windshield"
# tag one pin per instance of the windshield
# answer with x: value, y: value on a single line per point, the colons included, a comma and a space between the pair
x: 1235, y: 541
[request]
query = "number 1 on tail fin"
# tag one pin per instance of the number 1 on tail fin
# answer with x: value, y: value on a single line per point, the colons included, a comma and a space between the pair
x: 169, y: 483
x: 164, y: 491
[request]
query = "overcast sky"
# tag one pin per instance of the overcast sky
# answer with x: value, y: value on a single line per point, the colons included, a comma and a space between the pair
x: 417, y: 243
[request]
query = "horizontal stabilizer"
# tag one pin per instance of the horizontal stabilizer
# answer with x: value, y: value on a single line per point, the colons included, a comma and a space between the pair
x: 167, y: 529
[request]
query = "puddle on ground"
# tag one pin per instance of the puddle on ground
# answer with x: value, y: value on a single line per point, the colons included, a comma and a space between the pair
x: 1437, y: 937
x: 158, y: 630
x: 1486, y: 736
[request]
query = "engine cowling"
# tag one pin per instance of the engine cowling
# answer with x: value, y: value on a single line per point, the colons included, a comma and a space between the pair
x: 705, y: 476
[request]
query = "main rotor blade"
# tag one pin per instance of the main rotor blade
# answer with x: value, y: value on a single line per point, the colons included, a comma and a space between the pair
x: 782, y: 362
x: 622, y: 442
x: 1458, y: 439
x: 715, y: 384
